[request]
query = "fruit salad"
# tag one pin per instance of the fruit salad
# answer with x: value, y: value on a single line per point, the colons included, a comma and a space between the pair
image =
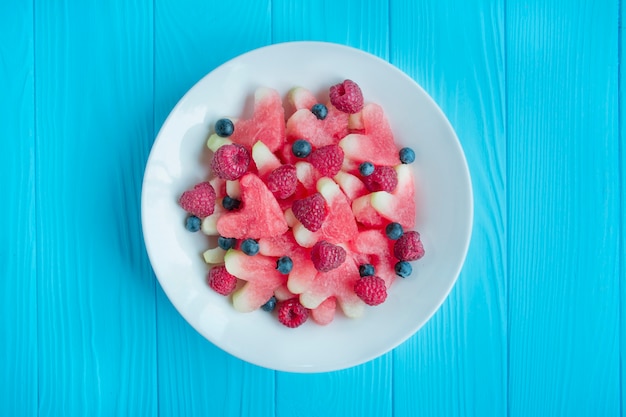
x: 312, y: 204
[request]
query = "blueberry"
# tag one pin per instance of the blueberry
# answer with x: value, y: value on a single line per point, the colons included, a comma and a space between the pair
x: 407, y: 155
x: 301, y: 148
x: 193, y: 223
x: 230, y: 203
x: 366, y: 270
x: 250, y: 247
x: 319, y: 110
x: 284, y: 265
x: 394, y: 231
x: 224, y: 127
x: 403, y: 269
x: 366, y: 168
x: 270, y: 304
x: 226, y: 242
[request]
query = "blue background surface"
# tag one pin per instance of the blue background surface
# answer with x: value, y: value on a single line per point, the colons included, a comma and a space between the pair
x: 535, y: 324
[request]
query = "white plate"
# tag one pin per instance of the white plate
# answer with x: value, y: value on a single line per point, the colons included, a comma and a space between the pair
x: 178, y: 161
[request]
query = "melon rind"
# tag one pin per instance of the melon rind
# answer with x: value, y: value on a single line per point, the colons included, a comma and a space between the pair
x: 215, y: 142
x: 261, y: 275
x: 398, y: 206
x: 264, y: 159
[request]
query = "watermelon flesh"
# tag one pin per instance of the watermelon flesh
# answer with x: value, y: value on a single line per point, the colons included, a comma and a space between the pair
x: 325, y: 312
x: 376, y: 144
x: 379, y: 249
x: 303, y: 124
x: 260, y: 214
x: 267, y: 123
x: 338, y: 227
x: 261, y: 276
x: 356, y: 217
x: 338, y: 283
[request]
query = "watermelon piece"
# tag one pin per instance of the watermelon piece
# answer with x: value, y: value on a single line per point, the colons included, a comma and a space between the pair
x: 374, y: 242
x: 325, y: 312
x: 304, y: 124
x: 259, y: 216
x: 261, y: 275
x: 339, y: 283
x: 300, y: 98
x: 365, y: 213
x: 264, y: 159
x: 376, y: 144
x: 282, y: 293
x: 307, y: 176
x: 233, y: 189
x: 219, y: 185
x: 338, y: 227
x: 214, y: 255
x: 350, y: 184
x: 267, y: 123
x: 209, y: 224
x: 215, y: 142
x: 278, y: 246
x: 398, y: 206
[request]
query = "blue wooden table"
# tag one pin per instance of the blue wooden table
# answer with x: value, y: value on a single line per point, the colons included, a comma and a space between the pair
x: 535, y: 325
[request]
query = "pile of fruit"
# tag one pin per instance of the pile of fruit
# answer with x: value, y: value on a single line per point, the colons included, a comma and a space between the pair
x: 312, y: 204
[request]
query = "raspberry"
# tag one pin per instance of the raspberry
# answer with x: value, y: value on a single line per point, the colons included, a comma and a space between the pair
x: 291, y: 313
x: 282, y: 181
x: 310, y: 211
x: 200, y: 201
x: 327, y: 160
x: 409, y: 247
x: 347, y: 97
x: 371, y: 290
x: 326, y: 256
x: 222, y: 281
x: 384, y: 178
x: 230, y: 161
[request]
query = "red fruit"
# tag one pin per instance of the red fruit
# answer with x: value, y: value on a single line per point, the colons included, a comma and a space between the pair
x: 304, y: 124
x: 409, y: 247
x: 347, y: 97
x: 261, y: 276
x: 259, y: 215
x: 291, y: 313
x: 376, y: 144
x: 310, y: 211
x: 221, y: 280
x: 230, y: 161
x: 200, y: 201
x: 327, y: 160
x: 282, y: 182
x: 371, y: 290
x: 267, y: 123
x: 326, y: 256
x: 325, y: 312
x: 384, y: 178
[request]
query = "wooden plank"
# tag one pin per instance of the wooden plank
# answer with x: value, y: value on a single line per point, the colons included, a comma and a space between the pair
x: 456, y: 364
x: 96, y: 309
x: 18, y: 286
x: 192, y: 37
x: 363, y: 390
x: 563, y: 188
x: 622, y: 193
x: 363, y: 24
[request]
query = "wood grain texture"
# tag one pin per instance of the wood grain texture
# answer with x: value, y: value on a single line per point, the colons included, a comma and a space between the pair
x: 456, y: 364
x: 96, y: 309
x: 563, y: 208
x: 622, y: 180
x: 361, y: 24
x: 365, y: 390
x: 195, y: 377
x: 18, y: 282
